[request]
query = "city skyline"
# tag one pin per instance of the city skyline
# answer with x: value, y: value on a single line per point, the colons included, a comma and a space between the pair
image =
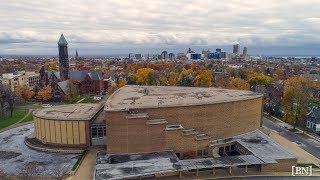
x: 111, y: 27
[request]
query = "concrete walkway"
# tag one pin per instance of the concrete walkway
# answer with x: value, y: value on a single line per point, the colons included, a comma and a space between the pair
x: 17, y: 123
x: 85, y: 169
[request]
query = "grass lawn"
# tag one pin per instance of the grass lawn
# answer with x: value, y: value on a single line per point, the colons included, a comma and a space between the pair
x: 88, y: 100
x: 17, y: 115
x: 307, y: 165
x: 28, y: 118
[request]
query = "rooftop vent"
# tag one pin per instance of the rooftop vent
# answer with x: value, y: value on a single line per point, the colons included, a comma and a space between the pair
x: 256, y: 140
x: 156, y: 122
x: 173, y: 127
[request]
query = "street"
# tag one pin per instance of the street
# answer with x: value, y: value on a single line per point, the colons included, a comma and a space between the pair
x: 307, y: 144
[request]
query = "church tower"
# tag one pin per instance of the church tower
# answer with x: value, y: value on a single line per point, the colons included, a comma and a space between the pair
x: 63, y: 58
x: 77, y: 55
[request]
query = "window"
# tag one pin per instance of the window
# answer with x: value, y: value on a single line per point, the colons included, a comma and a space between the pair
x: 98, y: 131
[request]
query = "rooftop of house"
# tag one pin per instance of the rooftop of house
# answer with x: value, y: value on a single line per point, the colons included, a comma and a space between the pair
x: 81, y: 112
x: 314, y: 115
x: 133, y: 97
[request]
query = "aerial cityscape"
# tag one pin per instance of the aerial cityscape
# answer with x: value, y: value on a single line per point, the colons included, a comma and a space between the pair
x: 139, y: 90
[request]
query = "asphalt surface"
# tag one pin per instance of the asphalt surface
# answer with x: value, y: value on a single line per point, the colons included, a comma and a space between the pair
x: 307, y: 144
x: 275, y: 178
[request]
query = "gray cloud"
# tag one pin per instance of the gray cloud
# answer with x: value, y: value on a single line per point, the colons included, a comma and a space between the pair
x: 109, y: 26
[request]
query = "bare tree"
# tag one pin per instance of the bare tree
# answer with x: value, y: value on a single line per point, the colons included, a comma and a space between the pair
x: 30, y: 171
x: 7, y: 98
x: 60, y: 172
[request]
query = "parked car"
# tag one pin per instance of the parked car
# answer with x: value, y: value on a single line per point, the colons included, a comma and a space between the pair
x: 97, y: 98
x: 46, y: 105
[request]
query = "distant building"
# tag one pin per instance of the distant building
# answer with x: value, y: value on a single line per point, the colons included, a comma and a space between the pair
x: 172, y: 57
x: 215, y: 55
x: 236, y: 49
x: 164, y: 55
x: 194, y: 56
x: 205, y: 53
x: 138, y: 56
x: 132, y: 56
x: 190, y: 51
x: 245, y: 51
x: 63, y: 58
x: 223, y: 55
x: 20, y: 78
x: 313, y: 120
x: 181, y: 56
x: 89, y: 82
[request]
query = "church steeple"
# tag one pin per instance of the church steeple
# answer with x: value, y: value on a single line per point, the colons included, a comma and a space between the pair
x: 63, y: 58
x: 62, y: 40
x: 77, y: 55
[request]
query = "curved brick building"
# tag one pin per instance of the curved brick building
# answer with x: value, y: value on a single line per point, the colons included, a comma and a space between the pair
x: 183, y: 119
x: 66, y: 125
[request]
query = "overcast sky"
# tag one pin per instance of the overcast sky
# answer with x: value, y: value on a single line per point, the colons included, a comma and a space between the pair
x: 105, y: 27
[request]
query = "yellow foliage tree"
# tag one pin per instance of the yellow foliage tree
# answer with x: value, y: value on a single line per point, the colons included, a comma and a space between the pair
x: 122, y: 83
x: 52, y: 66
x: 255, y: 78
x: 45, y: 93
x: 145, y: 76
x: 163, y: 80
x: 295, y: 99
x: 238, y: 83
x: 173, y: 78
x: 204, y: 78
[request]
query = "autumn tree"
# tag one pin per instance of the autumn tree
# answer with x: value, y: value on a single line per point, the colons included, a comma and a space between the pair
x: 122, y: 83
x: 173, y: 79
x: 255, y: 78
x: 72, y: 92
x: 145, y: 76
x: 221, y: 81
x: 186, y: 77
x: 45, y: 93
x: 132, y: 79
x: 237, y: 83
x: 53, y: 66
x: 295, y: 100
x: 204, y: 78
x: 163, y: 81
x: 24, y: 93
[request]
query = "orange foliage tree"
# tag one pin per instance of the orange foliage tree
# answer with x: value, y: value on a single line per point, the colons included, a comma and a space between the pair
x: 24, y: 93
x: 45, y: 93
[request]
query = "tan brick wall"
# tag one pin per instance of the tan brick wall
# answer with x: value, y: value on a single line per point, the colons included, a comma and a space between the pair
x: 281, y: 166
x: 217, y: 120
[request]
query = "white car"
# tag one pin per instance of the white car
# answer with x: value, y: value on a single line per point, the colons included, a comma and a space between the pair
x: 97, y: 98
x: 46, y: 105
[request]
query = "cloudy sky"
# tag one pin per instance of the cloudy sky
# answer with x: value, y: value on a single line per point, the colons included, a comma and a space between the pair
x: 106, y: 27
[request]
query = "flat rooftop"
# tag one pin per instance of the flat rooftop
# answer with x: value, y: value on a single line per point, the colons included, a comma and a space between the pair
x: 133, y: 97
x: 134, y: 165
x: 260, y: 145
x: 81, y: 111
